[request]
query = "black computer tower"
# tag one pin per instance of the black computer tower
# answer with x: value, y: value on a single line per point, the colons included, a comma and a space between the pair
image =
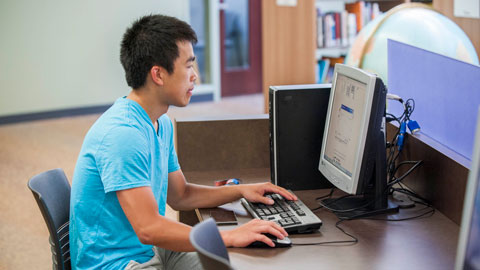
x: 297, y: 119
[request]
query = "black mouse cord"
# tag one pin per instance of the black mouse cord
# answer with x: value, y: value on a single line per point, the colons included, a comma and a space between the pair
x: 348, y: 242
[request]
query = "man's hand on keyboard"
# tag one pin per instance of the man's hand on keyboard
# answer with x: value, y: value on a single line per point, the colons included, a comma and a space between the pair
x: 253, y: 231
x: 256, y: 192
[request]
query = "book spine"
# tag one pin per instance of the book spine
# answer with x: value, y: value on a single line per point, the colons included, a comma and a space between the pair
x: 352, y: 28
x: 329, y: 31
x: 367, y: 12
x: 338, y: 29
x: 344, y: 30
x: 320, y: 30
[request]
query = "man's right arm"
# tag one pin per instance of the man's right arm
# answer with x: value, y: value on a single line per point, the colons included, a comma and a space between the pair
x: 141, y: 209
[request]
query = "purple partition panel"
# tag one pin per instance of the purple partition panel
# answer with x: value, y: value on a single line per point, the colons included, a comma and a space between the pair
x: 446, y: 93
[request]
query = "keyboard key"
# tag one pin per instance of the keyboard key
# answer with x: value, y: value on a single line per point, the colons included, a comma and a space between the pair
x: 287, y: 222
x: 276, y: 196
x: 300, y: 213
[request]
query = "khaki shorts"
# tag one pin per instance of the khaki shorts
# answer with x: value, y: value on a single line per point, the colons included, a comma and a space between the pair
x: 168, y: 260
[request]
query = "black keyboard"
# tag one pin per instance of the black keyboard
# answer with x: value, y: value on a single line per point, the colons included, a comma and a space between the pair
x: 293, y: 216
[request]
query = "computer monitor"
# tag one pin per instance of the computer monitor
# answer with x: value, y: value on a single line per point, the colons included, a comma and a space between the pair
x: 468, y: 251
x: 353, y: 155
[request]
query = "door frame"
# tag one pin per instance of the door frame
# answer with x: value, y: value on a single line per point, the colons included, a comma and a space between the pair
x: 213, y: 88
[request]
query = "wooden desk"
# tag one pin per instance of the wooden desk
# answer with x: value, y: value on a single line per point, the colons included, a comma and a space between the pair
x: 426, y: 243
x: 213, y: 149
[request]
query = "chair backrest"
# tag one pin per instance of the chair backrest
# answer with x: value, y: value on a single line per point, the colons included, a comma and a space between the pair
x: 206, y: 239
x: 52, y: 193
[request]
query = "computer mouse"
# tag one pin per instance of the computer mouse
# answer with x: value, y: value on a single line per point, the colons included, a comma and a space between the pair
x: 279, y: 243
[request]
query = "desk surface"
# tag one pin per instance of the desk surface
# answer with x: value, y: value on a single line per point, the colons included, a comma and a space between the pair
x: 425, y: 243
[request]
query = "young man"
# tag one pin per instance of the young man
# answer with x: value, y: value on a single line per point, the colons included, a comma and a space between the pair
x: 127, y: 169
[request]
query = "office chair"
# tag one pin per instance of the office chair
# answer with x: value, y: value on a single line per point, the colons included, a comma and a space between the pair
x: 207, y: 241
x: 52, y: 193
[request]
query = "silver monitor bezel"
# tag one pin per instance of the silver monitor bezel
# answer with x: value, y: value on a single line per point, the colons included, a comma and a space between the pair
x: 331, y: 172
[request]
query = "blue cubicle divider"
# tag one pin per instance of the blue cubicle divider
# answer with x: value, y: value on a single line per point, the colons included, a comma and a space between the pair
x: 446, y: 93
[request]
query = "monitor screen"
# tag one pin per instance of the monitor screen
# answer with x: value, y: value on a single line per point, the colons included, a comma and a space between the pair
x: 468, y: 255
x: 345, y: 124
x: 352, y: 117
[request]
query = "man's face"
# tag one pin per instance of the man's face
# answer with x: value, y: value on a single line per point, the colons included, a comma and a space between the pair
x: 178, y: 86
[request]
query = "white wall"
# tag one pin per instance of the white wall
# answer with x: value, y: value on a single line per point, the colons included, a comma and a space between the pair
x: 60, y: 54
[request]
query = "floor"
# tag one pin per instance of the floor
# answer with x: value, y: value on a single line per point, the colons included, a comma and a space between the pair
x: 29, y: 148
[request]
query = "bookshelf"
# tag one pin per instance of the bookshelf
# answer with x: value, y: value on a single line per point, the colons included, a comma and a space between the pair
x: 337, y: 25
x: 286, y: 60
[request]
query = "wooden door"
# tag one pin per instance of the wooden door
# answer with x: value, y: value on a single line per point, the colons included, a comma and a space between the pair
x: 241, y: 47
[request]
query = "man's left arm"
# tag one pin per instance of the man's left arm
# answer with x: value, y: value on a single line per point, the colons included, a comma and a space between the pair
x: 186, y: 196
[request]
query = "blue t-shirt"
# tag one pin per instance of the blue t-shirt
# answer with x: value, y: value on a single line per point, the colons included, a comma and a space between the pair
x: 121, y: 150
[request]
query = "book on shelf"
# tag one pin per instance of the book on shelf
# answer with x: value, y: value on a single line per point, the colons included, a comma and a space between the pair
x: 339, y: 28
x: 329, y: 30
x: 375, y: 11
x: 344, y: 28
x: 320, y: 30
x: 356, y: 8
x: 325, y: 68
x: 322, y: 68
x: 351, y: 27
x: 329, y: 77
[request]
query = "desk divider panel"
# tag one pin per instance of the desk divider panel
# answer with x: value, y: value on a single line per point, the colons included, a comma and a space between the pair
x: 445, y: 91
x: 226, y: 143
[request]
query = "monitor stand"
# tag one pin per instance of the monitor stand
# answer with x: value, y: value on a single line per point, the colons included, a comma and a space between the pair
x: 375, y: 199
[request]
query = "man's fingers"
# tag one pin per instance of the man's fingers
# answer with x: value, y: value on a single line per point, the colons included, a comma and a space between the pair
x: 266, y: 240
x: 265, y: 200
x: 273, y: 231
x: 280, y: 229
x: 287, y: 195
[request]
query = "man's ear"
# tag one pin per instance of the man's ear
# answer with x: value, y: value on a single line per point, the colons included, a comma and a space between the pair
x: 158, y: 74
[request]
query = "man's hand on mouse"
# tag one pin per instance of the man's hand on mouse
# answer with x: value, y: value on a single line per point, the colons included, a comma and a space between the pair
x: 256, y: 192
x: 253, y: 231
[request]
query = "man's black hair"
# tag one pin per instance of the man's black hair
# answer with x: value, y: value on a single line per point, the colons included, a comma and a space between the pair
x: 152, y: 40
